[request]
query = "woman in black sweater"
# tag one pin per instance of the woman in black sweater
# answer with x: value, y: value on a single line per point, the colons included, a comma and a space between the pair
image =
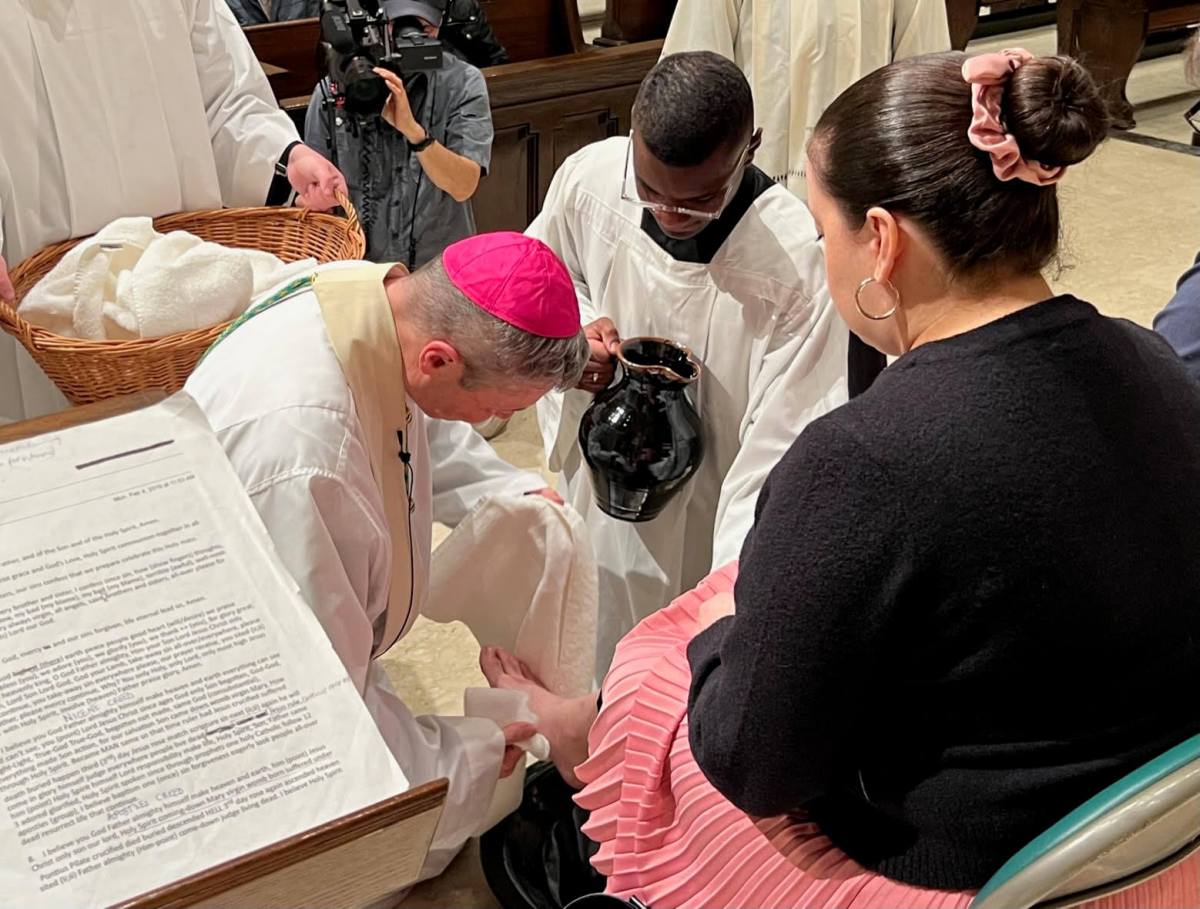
x: 971, y: 598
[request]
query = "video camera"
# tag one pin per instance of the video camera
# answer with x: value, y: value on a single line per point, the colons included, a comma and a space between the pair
x: 359, y: 35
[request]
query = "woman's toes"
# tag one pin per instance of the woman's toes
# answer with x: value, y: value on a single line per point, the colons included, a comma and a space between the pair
x: 491, y: 665
x: 511, y: 664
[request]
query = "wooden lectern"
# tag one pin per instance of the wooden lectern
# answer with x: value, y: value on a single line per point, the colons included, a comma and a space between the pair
x: 348, y: 863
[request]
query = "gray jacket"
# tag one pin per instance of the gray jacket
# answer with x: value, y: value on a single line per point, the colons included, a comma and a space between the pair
x: 405, y: 216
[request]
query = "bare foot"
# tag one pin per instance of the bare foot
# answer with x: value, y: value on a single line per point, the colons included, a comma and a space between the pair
x: 563, y: 721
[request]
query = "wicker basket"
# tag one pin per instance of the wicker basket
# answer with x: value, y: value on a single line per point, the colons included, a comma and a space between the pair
x: 87, y: 371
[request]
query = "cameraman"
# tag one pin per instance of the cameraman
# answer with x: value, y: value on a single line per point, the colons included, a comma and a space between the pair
x: 465, y: 27
x: 412, y: 169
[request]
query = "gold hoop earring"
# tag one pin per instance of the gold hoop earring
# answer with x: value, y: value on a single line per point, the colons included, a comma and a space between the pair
x: 891, y: 288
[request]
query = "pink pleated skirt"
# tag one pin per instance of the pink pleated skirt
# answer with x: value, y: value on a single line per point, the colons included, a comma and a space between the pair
x: 669, y: 838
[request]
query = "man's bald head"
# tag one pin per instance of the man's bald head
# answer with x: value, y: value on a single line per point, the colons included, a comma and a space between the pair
x: 692, y: 104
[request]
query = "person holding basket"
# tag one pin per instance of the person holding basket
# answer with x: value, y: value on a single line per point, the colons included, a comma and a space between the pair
x: 131, y: 107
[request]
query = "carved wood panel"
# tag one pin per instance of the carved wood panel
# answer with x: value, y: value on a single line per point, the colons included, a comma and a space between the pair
x: 574, y: 132
x: 508, y: 193
x: 532, y: 141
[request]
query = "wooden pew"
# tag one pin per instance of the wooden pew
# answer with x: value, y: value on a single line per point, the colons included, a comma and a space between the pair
x: 626, y: 21
x: 545, y: 110
x: 964, y: 17
x: 534, y: 29
x: 1108, y: 35
x: 529, y: 30
x: 288, y: 53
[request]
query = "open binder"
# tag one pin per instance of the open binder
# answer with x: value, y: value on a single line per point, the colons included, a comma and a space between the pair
x: 353, y: 861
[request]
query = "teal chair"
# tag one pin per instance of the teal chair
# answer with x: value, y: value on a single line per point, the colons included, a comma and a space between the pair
x: 1135, y: 829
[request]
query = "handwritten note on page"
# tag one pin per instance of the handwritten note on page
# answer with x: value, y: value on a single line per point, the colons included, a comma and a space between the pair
x: 167, y: 699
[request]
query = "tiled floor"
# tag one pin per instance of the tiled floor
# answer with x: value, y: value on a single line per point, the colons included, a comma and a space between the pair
x: 1132, y: 224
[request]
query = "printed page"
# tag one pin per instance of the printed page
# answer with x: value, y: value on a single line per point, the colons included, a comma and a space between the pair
x: 167, y: 699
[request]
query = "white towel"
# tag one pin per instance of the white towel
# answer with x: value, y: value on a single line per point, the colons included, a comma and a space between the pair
x: 502, y: 707
x: 520, y: 573
x: 129, y: 281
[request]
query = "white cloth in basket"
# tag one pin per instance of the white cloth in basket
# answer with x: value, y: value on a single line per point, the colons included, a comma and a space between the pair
x: 130, y: 281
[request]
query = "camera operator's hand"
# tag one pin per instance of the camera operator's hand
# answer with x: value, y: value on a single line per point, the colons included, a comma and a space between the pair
x: 7, y: 293
x: 314, y: 178
x: 397, y: 110
x: 454, y: 174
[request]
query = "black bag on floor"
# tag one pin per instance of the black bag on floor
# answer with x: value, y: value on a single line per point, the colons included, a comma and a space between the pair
x: 604, y: 901
x: 538, y: 857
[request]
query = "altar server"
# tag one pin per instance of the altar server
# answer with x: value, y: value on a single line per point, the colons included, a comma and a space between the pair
x: 675, y: 233
x: 801, y: 54
x: 130, y: 107
x: 332, y: 399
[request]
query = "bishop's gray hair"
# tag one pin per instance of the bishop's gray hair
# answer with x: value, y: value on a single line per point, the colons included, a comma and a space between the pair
x: 494, y: 353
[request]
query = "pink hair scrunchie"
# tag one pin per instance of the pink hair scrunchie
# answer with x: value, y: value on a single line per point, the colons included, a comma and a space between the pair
x: 987, y: 75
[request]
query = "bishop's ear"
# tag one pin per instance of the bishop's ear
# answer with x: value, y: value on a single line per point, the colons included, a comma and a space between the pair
x: 440, y: 360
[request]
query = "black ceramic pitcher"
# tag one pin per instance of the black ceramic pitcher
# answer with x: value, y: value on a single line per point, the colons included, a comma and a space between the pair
x: 641, y: 437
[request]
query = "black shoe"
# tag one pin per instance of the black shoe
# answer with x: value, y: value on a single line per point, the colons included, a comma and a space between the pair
x: 538, y: 857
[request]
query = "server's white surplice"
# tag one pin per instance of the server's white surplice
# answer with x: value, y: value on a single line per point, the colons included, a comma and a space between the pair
x: 759, y: 318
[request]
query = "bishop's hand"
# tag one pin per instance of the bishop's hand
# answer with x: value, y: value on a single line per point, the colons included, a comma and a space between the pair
x: 513, y: 753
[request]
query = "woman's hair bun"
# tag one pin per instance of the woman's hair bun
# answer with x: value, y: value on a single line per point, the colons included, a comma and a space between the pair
x: 1054, y: 110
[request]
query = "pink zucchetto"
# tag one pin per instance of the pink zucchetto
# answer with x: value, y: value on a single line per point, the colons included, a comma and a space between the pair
x: 517, y: 279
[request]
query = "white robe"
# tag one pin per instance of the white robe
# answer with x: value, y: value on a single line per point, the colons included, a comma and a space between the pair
x: 799, y: 55
x: 275, y: 394
x: 760, y: 320
x: 121, y: 107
